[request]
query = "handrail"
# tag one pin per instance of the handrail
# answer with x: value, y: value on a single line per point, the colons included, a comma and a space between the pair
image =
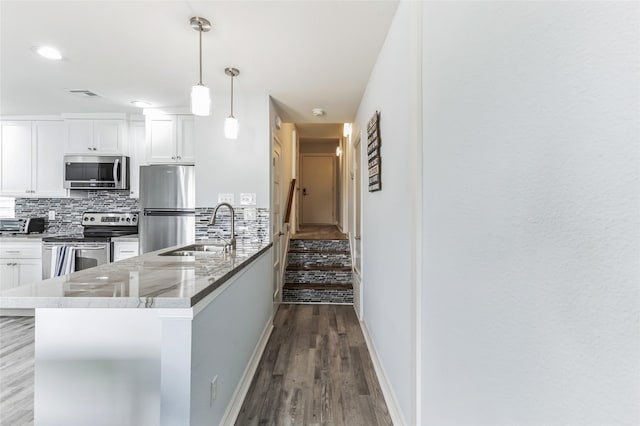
x: 292, y: 187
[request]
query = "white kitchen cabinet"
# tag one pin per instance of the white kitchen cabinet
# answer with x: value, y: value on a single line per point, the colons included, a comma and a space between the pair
x: 31, y: 155
x: 125, y: 249
x: 20, y: 263
x: 170, y: 139
x: 95, y: 136
x: 137, y: 152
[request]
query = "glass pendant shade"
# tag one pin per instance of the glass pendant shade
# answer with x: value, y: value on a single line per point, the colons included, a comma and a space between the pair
x: 200, y: 100
x: 231, y: 127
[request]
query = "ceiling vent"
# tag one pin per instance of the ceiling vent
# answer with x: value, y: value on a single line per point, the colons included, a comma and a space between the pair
x: 84, y: 93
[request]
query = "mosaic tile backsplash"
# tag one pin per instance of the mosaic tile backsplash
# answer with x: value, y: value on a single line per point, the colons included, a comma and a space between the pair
x: 246, y: 230
x: 69, y: 213
x: 69, y: 210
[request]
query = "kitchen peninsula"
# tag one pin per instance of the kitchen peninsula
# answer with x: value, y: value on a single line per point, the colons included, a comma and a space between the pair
x: 126, y: 343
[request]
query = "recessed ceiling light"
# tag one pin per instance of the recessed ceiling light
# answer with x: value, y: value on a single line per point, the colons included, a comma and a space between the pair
x: 49, y: 53
x: 317, y: 112
x: 141, y: 104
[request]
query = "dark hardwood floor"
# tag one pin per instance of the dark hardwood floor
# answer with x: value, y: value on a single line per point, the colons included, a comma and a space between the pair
x: 319, y: 232
x: 316, y: 370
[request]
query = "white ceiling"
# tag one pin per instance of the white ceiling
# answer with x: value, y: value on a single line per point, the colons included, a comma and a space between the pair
x: 305, y: 54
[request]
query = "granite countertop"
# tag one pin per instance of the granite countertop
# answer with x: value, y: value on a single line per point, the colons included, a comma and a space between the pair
x: 147, y: 281
x: 22, y: 237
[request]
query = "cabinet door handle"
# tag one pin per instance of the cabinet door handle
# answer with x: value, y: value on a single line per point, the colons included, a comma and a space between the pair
x: 13, y: 251
x: 127, y: 251
x: 173, y: 158
x: 179, y: 158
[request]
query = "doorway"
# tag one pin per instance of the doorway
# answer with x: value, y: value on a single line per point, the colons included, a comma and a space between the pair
x: 318, y: 189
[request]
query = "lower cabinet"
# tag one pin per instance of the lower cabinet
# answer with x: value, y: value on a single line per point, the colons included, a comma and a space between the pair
x: 20, y: 263
x: 124, y: 250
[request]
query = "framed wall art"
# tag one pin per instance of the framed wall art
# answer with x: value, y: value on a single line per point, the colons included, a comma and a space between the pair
x: 373, y: 153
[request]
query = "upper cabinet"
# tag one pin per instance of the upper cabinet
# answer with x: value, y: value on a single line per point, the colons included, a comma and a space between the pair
x: 96, y: 133
x: 170, y: 139
x: 31, y: 155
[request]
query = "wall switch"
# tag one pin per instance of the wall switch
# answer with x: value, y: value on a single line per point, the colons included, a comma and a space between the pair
x: 214, y: 390
x: 248, y: 199
x: 250, y: 214
x: 226, y: 198
x: 52, y: 215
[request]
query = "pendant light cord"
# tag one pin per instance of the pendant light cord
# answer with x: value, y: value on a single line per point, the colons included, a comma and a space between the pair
x: 200, y: 38
x: 232, y: 95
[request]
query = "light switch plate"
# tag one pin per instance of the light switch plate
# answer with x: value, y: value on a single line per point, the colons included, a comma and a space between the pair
x: 250, y: 214
x: 52, y: 215
x: 226, y: 198
x: 248, y: 199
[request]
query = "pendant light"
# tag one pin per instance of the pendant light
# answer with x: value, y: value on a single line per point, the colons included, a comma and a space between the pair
x: 231, y: 123
x: 200, y: 99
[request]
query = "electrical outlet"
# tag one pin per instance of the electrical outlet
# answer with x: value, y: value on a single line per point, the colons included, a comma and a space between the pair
x: 250, y: 214
x: 248, y: 199
x: 214, y: 390
x: 52, y: 215
x: 226, y: 198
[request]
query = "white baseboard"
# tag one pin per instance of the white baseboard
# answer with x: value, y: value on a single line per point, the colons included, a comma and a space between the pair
x: 233, y: 409
x: 389, y: 396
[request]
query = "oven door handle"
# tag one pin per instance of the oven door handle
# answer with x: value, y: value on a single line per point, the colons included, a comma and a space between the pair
x: 116, y: 165
x: 80, y: 248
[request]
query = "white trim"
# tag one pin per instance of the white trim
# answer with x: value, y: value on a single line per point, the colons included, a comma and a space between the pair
x: 387, y: 391
x: 233, y: 409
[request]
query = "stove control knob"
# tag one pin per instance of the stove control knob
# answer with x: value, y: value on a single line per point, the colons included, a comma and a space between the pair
x: 128, y: 219
x: 135, y: 218
x: 86, y: 218
x: 92, y: 219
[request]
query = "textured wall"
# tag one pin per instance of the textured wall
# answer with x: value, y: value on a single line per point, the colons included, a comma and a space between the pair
x: 532, y: 213
x: 388, y: 223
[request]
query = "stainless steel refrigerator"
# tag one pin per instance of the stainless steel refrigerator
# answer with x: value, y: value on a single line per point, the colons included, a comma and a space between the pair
x: 167, y: 204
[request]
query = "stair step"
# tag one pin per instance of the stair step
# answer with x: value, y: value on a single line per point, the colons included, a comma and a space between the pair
x: 318, y: 268
x: 314, y: 295
x: 329, y: 259
x: 318, y: 286
x: 319, y: 245
x: 318, y: 276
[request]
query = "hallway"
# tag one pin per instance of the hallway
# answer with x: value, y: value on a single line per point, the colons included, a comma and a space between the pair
x: 316, y: 369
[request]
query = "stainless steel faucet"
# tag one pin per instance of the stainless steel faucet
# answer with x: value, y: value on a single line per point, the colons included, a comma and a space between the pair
x: 232, y: 241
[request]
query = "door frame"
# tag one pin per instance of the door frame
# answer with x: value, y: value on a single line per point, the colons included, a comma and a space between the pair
x: 333, y: 185
x: 276, y: 224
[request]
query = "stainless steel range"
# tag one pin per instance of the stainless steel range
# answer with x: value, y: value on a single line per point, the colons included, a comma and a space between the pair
x: 64, y: 254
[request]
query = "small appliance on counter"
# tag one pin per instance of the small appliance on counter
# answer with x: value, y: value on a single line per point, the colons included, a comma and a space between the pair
x: 22, y: 225
x: 66, y: 254
x: 168, y: 202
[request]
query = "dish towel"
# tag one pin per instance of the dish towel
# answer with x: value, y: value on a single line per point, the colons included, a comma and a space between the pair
x: 63, y: 260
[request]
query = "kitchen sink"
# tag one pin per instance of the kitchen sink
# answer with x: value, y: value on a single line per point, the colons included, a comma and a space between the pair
x: 195, y: 249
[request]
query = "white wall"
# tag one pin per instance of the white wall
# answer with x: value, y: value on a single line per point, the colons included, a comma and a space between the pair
x: 233, y: 166
x: 514, y: 221
x: 388, y: 223
x: 531, y: 226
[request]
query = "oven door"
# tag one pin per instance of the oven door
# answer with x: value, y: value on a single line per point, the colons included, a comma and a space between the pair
x: 87, y: 255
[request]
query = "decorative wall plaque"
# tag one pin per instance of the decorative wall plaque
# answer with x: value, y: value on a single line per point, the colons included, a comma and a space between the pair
x: 373, y: 153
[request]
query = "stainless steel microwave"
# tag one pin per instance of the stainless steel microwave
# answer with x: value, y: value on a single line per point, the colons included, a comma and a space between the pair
x: 96, y: 172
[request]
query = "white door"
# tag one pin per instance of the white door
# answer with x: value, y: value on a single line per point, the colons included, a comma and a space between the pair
x: 15, y: 152
x: 29, y: 271
x: 79, y: 136
x: 107, y: 136
x: 318, y: 189
x: 276, y: 235
x: 186, y: 139
x: 49, y: 154
x: 161, y: 139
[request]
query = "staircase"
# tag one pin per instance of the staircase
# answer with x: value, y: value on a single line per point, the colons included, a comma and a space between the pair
x: 318, y: 271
